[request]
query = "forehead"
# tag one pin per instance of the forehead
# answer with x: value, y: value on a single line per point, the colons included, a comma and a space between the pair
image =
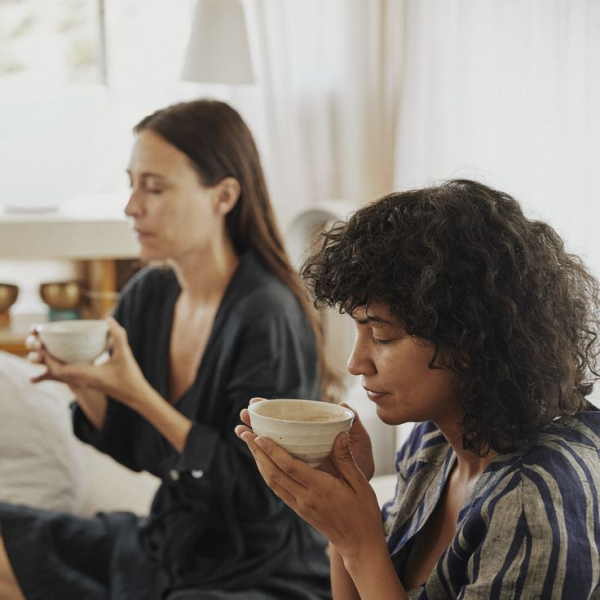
x: 376, y: 312
x: 151, y: 152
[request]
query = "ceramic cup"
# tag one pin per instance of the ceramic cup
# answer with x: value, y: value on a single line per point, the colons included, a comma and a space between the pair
x: 74, y: 341
x: 305, y: 428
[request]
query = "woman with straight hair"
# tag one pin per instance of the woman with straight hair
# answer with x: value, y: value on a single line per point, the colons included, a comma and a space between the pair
x: 190, y: 344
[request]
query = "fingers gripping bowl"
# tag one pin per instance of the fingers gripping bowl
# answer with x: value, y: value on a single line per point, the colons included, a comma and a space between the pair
x: 74, y: 341
x: 305, y: 428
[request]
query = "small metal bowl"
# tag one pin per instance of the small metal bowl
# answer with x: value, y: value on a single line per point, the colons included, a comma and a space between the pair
x: 8, y: 296
x: 62, y: 295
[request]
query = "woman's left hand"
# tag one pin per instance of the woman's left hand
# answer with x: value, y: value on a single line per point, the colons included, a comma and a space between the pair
x: 119, y: 377
x: 343, y: 508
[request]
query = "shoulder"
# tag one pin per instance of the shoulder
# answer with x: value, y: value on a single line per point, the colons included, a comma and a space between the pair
x: 553, y: 482
x: 260, y: 294
x: 561, y: 467
x: 567, y: 452
x: 581, y: 430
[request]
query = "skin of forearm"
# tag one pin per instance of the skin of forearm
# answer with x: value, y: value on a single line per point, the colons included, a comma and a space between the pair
x: 93, y: 403
x: 373, y: 574
x: 342, y: 586
x: 174, y: 426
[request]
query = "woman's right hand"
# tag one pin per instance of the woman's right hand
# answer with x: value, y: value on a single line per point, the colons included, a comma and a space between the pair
x: 93, y: 402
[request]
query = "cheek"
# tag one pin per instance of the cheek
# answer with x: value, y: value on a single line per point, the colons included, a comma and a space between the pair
x: 437, y: 389
x: 409, y: 371
x: 197, y: 215
x: 394, y: 366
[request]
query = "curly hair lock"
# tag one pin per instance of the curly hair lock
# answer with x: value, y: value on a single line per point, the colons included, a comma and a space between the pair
x: 459, y: 265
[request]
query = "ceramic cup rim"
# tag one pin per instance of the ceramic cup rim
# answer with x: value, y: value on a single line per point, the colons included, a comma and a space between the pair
x: 344, y: 415
x: 82, y: 326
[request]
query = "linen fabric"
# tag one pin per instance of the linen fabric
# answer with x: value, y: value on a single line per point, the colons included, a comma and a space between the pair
x: 531, y: 527
x: 215, y: 529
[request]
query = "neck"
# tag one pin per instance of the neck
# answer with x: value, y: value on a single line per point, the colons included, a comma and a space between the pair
x: 203, y: 275
x: 469, y: 465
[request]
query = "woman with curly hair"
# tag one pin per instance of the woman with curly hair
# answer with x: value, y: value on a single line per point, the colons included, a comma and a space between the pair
x: 474, y: 322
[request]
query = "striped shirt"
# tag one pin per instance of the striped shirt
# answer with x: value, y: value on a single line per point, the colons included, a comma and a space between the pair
x: 531, y: 527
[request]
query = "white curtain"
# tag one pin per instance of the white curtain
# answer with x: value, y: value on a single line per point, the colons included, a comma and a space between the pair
x: 508, y: 92
x: 328, y: 97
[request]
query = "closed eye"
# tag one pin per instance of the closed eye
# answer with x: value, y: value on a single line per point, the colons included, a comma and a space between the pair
x: 381, y: 342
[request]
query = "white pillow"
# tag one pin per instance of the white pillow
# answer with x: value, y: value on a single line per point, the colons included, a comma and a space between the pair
x: 40, y: 460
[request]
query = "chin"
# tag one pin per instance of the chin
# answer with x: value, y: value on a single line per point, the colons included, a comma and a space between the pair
x: 395, y: 418
x: 147, y: 254
x: 389, y: 419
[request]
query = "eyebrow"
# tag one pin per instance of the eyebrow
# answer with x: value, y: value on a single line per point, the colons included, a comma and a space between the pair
x: 373, y: 319
x: 147, y: 174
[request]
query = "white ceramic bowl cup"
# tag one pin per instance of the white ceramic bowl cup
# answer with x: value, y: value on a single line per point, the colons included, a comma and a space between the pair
x: 305, y: 428
x: 74, y: 341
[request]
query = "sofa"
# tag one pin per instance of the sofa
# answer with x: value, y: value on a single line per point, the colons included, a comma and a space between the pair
x: 42, y: 464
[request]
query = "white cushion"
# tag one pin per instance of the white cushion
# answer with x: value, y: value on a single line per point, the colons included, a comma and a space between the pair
x: 110, y: 486
x: 40, y: 463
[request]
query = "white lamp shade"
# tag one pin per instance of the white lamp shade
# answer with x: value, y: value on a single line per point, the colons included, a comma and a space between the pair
x: 218, y: 50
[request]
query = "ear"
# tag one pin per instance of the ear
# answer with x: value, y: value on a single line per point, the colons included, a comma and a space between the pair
x: 227, y: 193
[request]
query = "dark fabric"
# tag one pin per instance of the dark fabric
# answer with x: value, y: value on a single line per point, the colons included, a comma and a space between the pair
x: 214, y: 525
x: 60, y: 555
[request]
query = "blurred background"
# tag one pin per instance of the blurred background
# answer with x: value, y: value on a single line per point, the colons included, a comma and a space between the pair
x: 348, y: 100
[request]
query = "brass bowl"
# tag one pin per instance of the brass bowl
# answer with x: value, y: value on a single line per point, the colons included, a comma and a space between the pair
x: 8, y: 296
x: 62, y: 295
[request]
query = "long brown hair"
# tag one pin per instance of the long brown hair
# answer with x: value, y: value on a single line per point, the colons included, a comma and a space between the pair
x: 219, y: 144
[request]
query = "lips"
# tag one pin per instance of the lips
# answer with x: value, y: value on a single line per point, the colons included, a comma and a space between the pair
x: 142, y: 234
x: 374, y: 395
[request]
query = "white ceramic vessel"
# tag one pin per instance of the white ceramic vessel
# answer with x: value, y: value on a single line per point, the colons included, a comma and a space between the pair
x: 305, y: 428
x: 74, y: 341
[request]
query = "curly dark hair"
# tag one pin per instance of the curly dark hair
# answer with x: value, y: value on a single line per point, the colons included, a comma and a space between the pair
x: 505, y: 306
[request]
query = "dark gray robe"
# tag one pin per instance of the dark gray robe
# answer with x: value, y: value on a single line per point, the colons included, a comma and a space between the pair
x: 215, y: 529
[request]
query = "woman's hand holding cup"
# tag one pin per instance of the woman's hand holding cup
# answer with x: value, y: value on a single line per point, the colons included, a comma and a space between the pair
x: 119, y: 377
x: 316, y: 495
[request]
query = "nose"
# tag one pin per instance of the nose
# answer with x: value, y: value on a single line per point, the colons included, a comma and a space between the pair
x: 133, y: 208
x: 360, y: 362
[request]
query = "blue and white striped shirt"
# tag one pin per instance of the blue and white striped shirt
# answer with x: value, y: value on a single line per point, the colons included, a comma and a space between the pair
x: 531, y: 527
